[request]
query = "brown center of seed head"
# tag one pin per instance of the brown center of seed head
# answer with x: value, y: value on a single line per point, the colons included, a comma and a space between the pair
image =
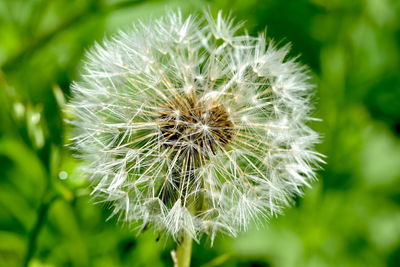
x: 195, y: 126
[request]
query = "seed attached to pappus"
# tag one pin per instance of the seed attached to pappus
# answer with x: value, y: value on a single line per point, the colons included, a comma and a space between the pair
x: 190, y: 128
x: 199, y: 126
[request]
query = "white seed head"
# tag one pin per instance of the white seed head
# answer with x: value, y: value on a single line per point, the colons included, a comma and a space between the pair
x: 188, y: 127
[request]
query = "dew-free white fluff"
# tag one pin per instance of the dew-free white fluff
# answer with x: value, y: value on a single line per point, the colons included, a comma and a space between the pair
x: 188, y: 127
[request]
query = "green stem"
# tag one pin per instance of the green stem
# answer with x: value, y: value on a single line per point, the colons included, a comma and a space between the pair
x: 184, y: 251
x: 41, y: 218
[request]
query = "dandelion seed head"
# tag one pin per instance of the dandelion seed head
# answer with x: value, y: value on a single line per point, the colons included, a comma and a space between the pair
x: 189, y: 127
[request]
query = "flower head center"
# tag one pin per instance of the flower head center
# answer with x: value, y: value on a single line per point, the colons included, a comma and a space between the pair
x: 195, y: 125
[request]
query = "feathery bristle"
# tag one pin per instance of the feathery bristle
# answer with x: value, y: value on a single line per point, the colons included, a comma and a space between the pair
x: 188, y: 127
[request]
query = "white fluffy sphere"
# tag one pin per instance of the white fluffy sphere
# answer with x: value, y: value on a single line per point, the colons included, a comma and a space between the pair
x: 188, y: 127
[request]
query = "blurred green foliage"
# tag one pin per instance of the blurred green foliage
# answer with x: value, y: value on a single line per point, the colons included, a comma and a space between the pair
x: 351, y: 216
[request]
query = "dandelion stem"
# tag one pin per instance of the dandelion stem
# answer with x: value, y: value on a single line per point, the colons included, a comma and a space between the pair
x: 184, y: 252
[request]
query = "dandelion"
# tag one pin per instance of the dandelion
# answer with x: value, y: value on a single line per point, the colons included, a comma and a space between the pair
x: 192, y: 129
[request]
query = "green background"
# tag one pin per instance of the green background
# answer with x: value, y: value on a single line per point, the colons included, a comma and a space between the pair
x: 350, y: 217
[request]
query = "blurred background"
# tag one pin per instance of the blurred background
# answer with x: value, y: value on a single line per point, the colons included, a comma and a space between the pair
x: 351, y: 216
